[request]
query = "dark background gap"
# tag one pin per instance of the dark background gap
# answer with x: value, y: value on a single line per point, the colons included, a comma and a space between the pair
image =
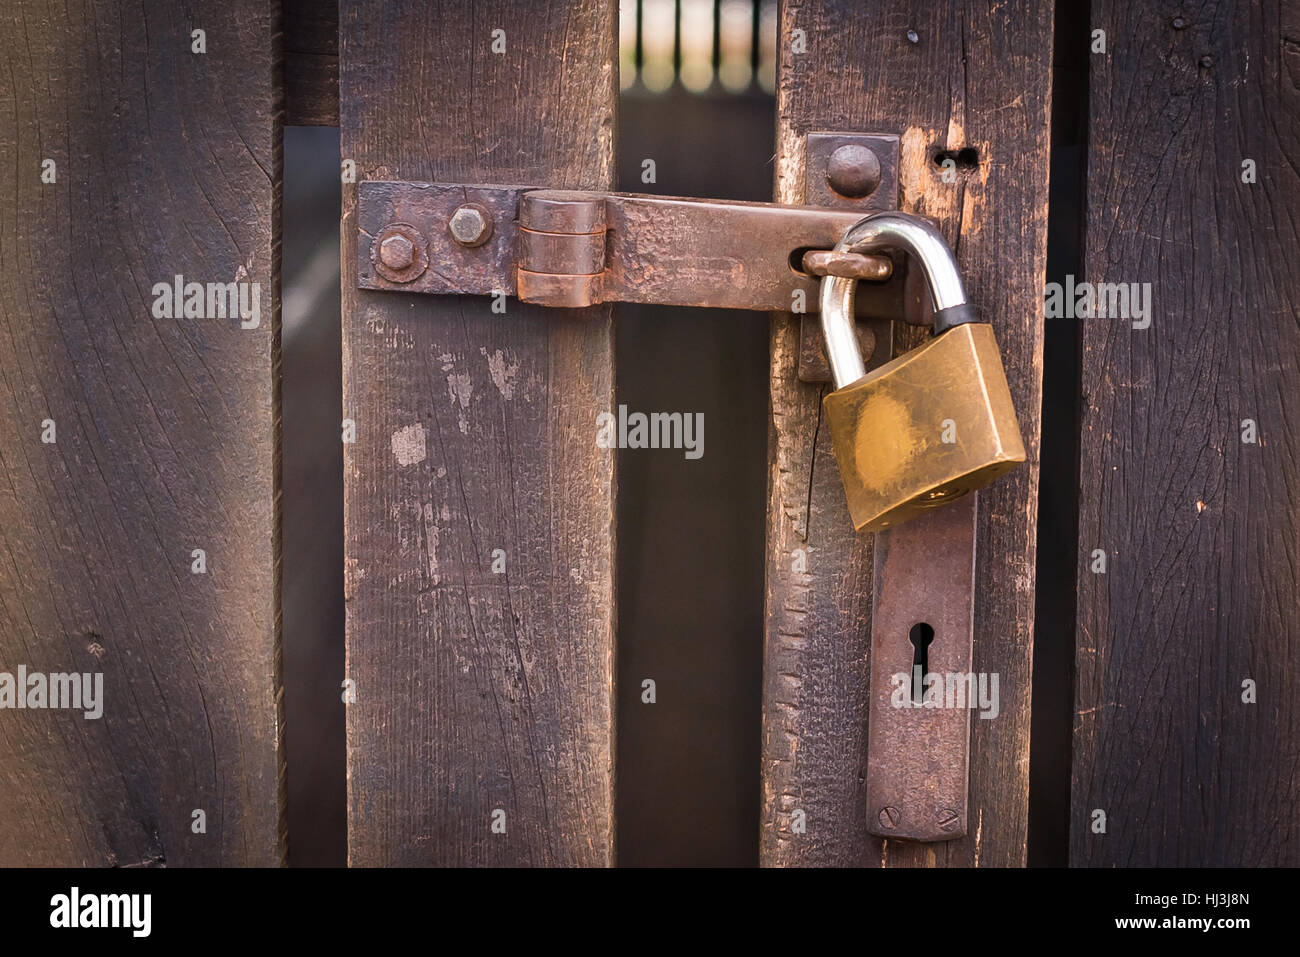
x: 1052, y: 717
x: 312, y: 499
x: 691, y: 533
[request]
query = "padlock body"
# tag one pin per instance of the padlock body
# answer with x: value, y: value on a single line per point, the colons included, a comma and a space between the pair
x: 925, y: 428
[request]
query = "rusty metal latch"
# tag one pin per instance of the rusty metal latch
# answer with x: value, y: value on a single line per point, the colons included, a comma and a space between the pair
x: 575, y: 248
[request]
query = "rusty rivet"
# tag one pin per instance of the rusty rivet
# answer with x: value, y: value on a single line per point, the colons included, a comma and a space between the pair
x: 470, y: 225
x: 853, y: 170
x: 948, y: 819
x: 889, y: 817
x: 397, y: 252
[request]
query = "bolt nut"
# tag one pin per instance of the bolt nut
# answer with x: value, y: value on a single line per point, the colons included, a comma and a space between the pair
x: 470, y: 225
x: 889, y: 817
x: 397, y: 252
x: 853, y: 170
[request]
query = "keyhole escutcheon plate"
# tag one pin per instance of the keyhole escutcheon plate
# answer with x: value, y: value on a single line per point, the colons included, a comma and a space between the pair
x: 918, y: 752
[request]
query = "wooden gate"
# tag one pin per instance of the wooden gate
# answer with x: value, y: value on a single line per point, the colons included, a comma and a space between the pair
x: 140, y: 436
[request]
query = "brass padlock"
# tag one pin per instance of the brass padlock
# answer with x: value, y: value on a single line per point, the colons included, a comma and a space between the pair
x: 936, y: 422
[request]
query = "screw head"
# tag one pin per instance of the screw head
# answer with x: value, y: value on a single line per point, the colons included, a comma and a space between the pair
x: 397, y: 252
x: 889, y: 817
x: 853, y: 170
x: 948, y: 819
x: 470, y: 225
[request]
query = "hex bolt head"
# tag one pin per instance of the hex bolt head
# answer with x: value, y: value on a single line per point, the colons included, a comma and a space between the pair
x: 853, y: 170
x: 470, y: 225
x: 889, y: 817
x: 948, y: 820
x: 397, y: 252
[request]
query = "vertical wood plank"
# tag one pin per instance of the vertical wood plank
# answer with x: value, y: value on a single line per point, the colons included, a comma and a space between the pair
x: 164, y: 432
x: 973, y: 77
x: 476, y: 691
x: 1201, y: 529
x: 311, y: 62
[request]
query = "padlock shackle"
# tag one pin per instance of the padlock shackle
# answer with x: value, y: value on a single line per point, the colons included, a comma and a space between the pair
x: 926, y: 246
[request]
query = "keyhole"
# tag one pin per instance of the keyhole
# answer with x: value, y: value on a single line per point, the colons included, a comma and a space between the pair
x: 920, y: 636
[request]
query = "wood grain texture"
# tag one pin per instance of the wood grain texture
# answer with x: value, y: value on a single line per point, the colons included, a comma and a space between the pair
x: 167, y: 163
x: 1202, y: 531
x: 477, y: 691
x: 311, y: 62
x: 977, y: 77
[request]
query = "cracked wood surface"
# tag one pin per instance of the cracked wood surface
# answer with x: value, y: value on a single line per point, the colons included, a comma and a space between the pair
x: 167, y: 163
x: 478, y: 691
x: 977, y: 77
x: 1201, y: 529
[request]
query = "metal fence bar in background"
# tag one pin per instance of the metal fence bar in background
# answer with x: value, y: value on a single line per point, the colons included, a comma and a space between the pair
x: 703, y: 45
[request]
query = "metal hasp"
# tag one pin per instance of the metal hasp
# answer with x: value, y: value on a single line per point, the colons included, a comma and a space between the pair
x: 575, y: 248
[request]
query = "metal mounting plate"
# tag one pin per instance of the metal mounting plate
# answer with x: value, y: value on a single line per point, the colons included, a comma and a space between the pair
x: 918, y: 756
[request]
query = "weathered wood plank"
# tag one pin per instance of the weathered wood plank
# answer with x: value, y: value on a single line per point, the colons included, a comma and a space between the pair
x: 311, y: 62
x: 974, y: 77
x: 477, y: 691
x: 1200, y: 528
x: 164, y: 432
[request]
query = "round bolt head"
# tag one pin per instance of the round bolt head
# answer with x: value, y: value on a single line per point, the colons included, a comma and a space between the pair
x: 470, y: 226
x: 948, y: 819
x: 889, y: 817
x: 853, y: 171
x: 397, y: 252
